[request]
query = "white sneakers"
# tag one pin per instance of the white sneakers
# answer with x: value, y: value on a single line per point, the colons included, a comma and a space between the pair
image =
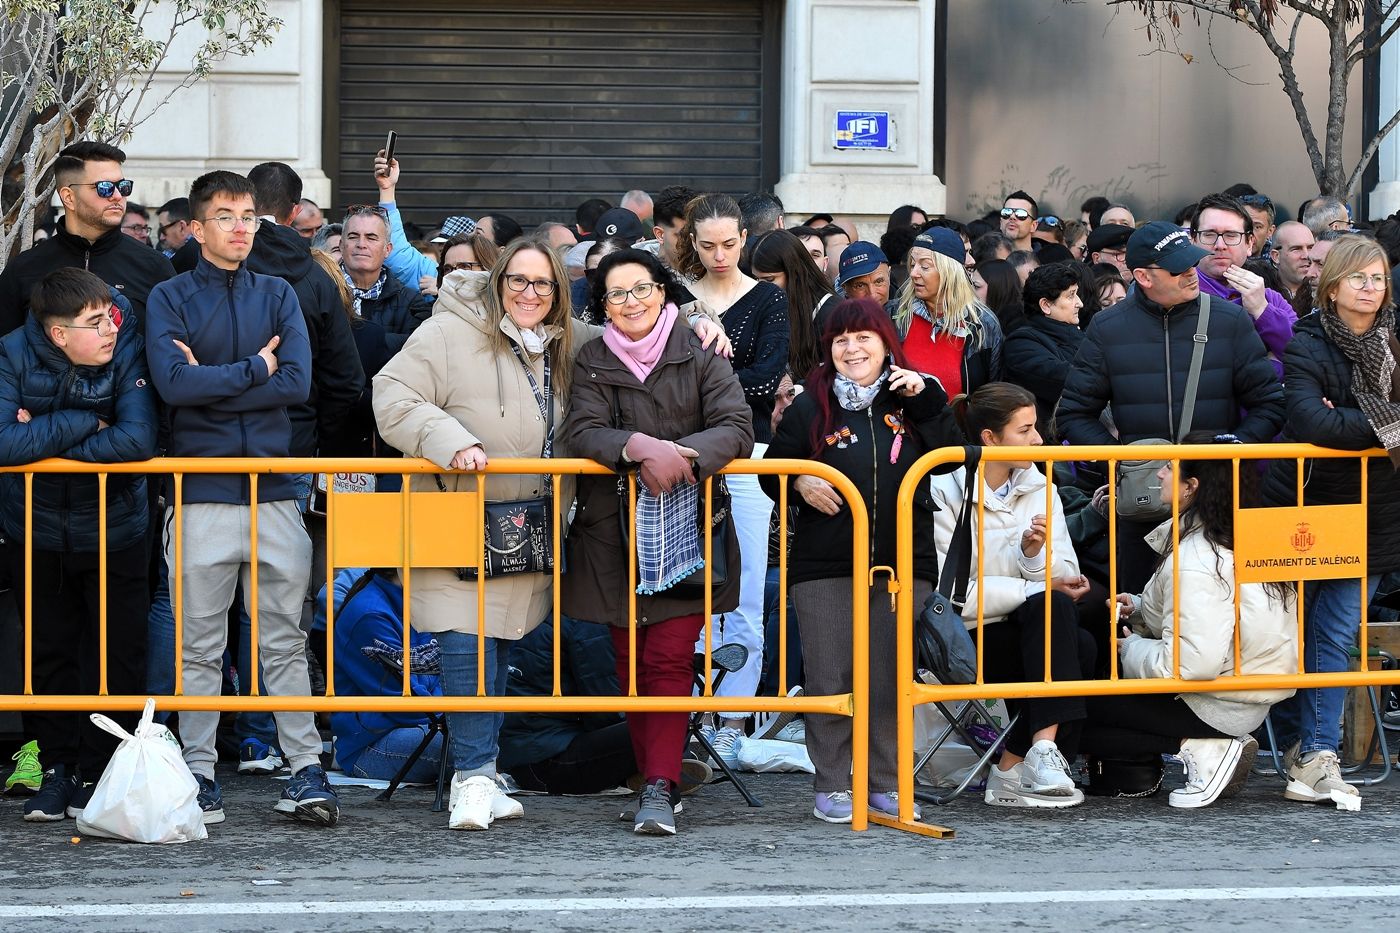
x: 478, y: 801
x: 1318, y: 779
x: 1041, y: 780
x: 1211, y: 767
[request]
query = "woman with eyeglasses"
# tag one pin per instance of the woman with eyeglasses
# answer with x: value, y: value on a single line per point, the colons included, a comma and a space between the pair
x: 465, y: 252
x: 648, y: 396
x: 488, y: 375
x: 1340, y: 390
x: 946, y: 332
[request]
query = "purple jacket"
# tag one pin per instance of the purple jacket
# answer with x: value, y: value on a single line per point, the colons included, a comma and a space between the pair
x: 1275, y: 324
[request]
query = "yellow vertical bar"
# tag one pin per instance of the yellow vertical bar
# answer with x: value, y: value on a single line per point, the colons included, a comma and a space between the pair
x: 330, y: 580
x: 176, y: 575
x: 251, y: 599
x: 860, y: 668
x: 981, y: 542
x: 782, y: 585
x: 632, y: 585
x: 904, y: 654
x: 554, y: 572
x: 407, y: 572
x: 29, y: 584
x: 481, y: 589
x: 406, y: 529
x: 1114, y: 624
x: 1364, y: 647
x: 1236, y: 576
x: 1049, y: 556
x: 1176, y: 566
x: 1302, y: 664
x: 102, y: 584
x: 709, y: 586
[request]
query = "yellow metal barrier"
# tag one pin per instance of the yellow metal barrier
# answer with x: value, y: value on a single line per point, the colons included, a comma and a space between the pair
x: 444, y: 529
x: 912, y: 693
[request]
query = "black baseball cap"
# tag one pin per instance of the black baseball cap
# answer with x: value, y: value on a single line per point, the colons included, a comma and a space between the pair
x: 1108, y: 236
x: 1163, y: 244
x: 619, y: 222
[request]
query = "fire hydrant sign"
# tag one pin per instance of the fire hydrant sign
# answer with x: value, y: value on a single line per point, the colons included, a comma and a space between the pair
x: 1311, y: 542
x: 862, y: 129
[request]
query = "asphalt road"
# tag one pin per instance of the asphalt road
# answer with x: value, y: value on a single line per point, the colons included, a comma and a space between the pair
x: 1257, y: 862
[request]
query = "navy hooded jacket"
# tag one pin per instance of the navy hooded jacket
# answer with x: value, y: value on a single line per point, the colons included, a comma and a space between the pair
x: 228, y: 405
x: 66, y: 403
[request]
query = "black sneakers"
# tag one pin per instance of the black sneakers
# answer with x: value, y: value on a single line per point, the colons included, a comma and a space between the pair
x: 55, y: 795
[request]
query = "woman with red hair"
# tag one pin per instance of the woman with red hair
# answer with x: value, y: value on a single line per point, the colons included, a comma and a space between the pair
x: 867, y: 415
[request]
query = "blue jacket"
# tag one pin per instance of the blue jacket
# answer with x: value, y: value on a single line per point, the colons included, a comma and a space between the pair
x: 66, y: 402
x: 228, y: 405
x: 376, y: 612
x: 399, y: 309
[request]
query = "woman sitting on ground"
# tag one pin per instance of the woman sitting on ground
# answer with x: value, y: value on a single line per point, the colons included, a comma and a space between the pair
x: 1210, y: 732
x: 1034, y: 767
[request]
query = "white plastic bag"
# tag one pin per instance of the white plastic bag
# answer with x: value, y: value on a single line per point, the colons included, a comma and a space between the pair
x: 147, y: 793
x: 765, y: 755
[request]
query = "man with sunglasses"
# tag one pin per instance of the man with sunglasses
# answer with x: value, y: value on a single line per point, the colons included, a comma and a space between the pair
x: 90, y: 185
x: 1018, y: 214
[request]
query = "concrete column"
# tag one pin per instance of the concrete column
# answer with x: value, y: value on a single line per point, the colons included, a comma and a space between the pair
x: 858, y: 55
x: 266, y: 107
x: 1385, y: 199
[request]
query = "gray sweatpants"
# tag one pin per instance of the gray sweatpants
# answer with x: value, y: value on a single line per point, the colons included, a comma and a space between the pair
x: 824, y: 618
x: 216, y: 551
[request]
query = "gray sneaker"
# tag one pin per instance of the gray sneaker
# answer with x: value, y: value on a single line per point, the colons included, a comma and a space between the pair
x: 1316, y: 777
x: 1010, y: 789
x: 655, y: 815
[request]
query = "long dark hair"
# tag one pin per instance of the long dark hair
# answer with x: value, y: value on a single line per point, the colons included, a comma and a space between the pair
x: 849, y: 316
x: 989, y: 409
x: 781, y: 251
x: 1003, y: 292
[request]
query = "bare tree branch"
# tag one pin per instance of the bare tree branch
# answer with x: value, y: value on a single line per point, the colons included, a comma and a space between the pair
x: 1371, y: 149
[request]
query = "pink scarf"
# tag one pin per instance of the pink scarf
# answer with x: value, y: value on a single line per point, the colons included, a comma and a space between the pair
x: 641, y: 356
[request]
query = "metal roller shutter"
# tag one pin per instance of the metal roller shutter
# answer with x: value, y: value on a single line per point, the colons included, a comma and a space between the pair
x: 531, y: 108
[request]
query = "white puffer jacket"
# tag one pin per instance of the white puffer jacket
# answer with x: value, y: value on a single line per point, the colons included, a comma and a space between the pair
x: 1268, y: 631
x: 1007, y: 576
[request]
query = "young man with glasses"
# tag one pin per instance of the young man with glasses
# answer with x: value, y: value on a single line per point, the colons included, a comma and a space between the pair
x: 90, y: 185
x: 74, y: 384
x: 1136, y: 355
x: 1018, y: 213
x: 229, y: 355
x: 1222, y: 225
x: 380, y: 295
x: 136, y: 223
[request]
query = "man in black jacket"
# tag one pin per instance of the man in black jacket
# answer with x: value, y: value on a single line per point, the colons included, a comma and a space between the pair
x: 1136, y: 357
x: 379, y: 296
x: 337, y: 377
x: 94, y: 193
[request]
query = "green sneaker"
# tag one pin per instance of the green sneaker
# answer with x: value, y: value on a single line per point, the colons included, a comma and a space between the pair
x: 27, y: 775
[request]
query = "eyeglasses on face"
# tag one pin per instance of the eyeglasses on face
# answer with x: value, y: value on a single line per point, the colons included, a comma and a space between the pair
x: 1358, y: 280
x: 138, y: 229
x: 1020, y: 213
x: 641, y: 291
x: 105, y: 327
x: 518, y: 283
x: 229, y: 223
x: 105, y: 189
x: 1050, y: 220
x: 164, y: 227
x: 1209, y: 237
x: 459, y: 266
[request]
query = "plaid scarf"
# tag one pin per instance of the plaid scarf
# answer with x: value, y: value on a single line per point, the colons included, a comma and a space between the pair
x: 668, y: 537
x: 1372, y: 372
x: 372, y: 293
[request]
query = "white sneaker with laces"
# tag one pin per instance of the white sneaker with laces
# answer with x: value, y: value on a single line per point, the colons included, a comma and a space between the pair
x: 1046, y: 772
x: 472, y: 801
x: 1210, y: 763
x: 725, y: 742
x: 1010, y: 789
x: 503, y: 806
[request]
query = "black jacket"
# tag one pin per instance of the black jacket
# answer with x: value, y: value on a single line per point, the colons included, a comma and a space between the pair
x: 399, y: 309
x: 1136, y: 356
x: 1315, y: 369
x: 337, y: 378
x: 1037, y: 356
x: 821, y: 548
x: 65, y: 403
x: 117, y: 259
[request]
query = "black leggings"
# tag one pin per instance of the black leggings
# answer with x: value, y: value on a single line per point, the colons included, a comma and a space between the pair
x: 594, y: 761
x: 1141, y: 726
x: 1014, y: 650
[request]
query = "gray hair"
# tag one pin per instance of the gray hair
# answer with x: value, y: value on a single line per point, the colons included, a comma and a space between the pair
x: 1322, y: 212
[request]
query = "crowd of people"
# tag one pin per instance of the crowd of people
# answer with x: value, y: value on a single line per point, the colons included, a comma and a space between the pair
x: 665, y: 337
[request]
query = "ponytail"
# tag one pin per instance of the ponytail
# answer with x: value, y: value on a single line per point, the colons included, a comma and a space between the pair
x: 990, y: 408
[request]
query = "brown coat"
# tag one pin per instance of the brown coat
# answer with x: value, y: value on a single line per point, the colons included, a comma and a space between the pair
x: 693, y: 398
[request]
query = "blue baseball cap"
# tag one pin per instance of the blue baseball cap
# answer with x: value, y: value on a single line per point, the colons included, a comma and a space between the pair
x: 860, y: 258
x: 942, y: 240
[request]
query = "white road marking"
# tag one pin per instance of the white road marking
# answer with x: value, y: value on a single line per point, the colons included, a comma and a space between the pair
x: 192, y: 908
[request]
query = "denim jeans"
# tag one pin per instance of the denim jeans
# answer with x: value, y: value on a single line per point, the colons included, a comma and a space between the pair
x: 768, y: 686
x: 1331, y: 626
x: 475, y: 736
x: 383, y: 758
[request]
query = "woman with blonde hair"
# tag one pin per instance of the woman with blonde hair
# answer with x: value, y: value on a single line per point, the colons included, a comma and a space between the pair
x: 486, y: 376
x: 946, y: 332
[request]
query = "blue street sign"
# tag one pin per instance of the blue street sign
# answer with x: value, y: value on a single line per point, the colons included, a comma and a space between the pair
x: 862, y: 129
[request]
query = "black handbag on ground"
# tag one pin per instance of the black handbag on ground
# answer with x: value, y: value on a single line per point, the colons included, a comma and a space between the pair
x: 942, y: 644
x: 1119, y: 777
x: 519, y: 533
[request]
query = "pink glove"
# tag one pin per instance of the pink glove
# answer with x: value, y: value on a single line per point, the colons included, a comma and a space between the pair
x: 662, y: 465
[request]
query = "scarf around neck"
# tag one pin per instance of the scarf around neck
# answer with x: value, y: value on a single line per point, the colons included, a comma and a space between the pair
x: 854, y: 397
x: 641, y: 356
x: 362, y: 294
x: 1372, y: 373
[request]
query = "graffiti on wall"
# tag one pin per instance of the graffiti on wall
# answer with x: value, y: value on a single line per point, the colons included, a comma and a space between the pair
x: 1062, y: 191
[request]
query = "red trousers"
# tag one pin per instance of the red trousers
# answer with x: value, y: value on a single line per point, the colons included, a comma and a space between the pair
x: 665, y: 668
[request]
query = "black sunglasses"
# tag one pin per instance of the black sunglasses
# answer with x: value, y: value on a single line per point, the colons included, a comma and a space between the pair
x: 105, y: 189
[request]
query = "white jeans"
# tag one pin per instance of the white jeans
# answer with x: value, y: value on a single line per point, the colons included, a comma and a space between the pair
x: 744, y: 626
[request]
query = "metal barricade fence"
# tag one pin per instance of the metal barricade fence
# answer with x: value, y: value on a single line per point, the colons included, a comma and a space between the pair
x: 423, y: 529
x: 1344, y: 522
